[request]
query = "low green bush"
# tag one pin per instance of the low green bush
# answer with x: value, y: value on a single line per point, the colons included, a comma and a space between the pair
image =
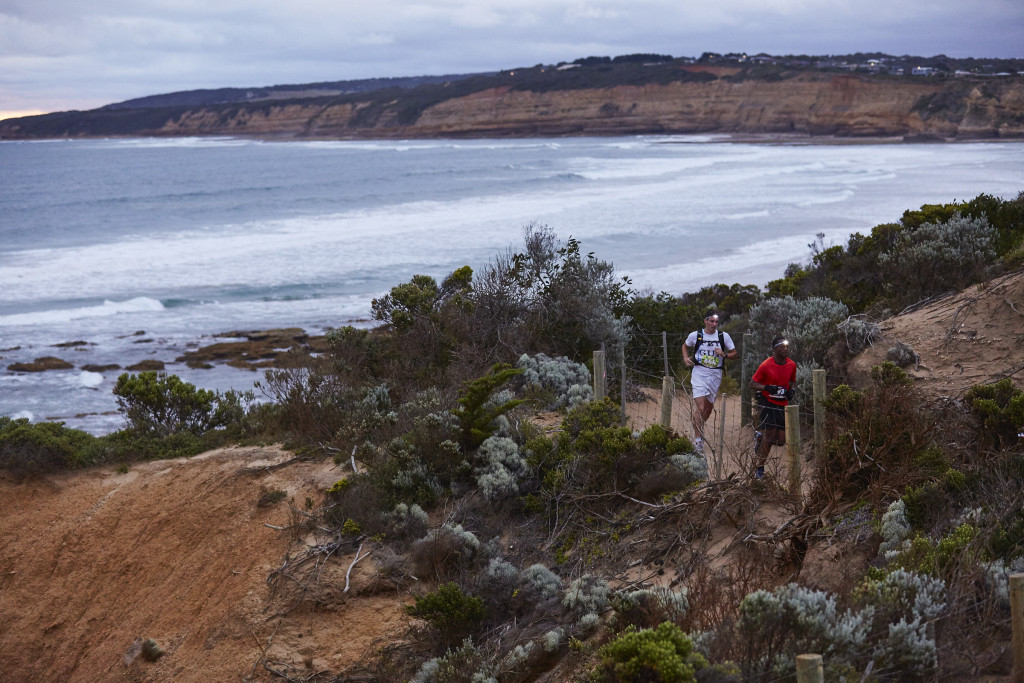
x: 664, y: 654
x: 45, y: 446
x: 158, y: 404
x: 999, y: 410
x: 451, y: 611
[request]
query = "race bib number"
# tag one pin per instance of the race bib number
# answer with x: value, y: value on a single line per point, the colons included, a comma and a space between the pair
x: 709, y: 360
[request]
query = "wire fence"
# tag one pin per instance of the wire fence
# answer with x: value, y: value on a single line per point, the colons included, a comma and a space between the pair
x: 651, y: 381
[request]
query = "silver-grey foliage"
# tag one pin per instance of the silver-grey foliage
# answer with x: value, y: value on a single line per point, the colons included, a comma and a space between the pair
x: 567, y: 380
x: 691, y: 466
x: 938, y: 257
x: 860, y: 332
x: 811, y: 325
x: 541, y: 582
x: 502, y: 468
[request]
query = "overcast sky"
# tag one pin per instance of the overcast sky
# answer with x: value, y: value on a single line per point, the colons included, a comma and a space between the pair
x: 58, y: 55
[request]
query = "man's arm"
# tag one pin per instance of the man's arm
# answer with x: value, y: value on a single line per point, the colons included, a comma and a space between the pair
x: 686, y: 358
x: 729, y: 353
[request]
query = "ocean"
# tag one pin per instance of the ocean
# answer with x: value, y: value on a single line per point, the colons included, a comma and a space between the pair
x: 185, y: 239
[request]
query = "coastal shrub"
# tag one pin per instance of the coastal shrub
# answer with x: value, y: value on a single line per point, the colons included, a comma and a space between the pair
x: 428, y: 321
x: 586, y: 597
x: 458, y: 665
x: 902, y: 355
x: 502, y: 468
x: 422, y: 298
x: 127, y: 444
x: 407, y: 521
x: 811, y: 326
x: 937, y: 257
x: 497, y: 587
x: 895, y: 527
x: 571, y: 298
x: 445, y: 552
x: 999, y: 411
x: 29, y: 448
x: 692, y: 467
x: 860, y: 332
x: 793, y: 619
x: 664, y: 654
x: 875, y: 439
x: 450, y: 611
x: 475, y: 414
x: 649, y: 607
x: 312, y: 402
x: 158, y: 404
x: 357, y: 498
x: 566, y: 381
x: 904, y: 606
x: 540, y: 583
x: 932, y: 501
x: 997, y: 578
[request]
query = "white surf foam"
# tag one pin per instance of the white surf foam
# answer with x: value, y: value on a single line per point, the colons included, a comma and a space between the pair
x: 63, y: 315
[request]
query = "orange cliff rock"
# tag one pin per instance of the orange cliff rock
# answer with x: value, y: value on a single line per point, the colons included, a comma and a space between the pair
x: 813, y: 103
x: 810, y: 104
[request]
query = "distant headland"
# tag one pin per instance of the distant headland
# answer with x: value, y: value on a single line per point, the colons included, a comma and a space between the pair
x: 861, y: 95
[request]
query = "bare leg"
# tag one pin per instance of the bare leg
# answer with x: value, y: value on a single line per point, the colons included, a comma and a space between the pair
x: 701, y: 411
x: 772, y: 437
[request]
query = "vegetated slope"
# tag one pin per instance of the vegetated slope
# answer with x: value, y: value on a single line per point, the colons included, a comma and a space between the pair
x: 94, y: 562
x: 590, y: 100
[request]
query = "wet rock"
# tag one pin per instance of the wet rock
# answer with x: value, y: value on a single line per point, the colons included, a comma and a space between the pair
x: 146, y: 366
x: 258, y: 349
x: 41, y: 365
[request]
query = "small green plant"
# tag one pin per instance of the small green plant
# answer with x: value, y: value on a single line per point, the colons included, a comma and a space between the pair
x: 664, y: 654
x: 151, y: 650
x: 451, y: 611
x: 476, y: 417
x: 999, y: 409
x: 123, y: 468
x: 338, y: 487
x: 351, y: 528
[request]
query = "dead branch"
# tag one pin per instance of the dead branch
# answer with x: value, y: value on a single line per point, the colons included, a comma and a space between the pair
x: 357, y: 558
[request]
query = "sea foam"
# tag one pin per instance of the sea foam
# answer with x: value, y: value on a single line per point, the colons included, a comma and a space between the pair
x: 62, y: 315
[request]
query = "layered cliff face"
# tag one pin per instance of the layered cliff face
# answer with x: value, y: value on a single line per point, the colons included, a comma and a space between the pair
x: 806, y: 103
x: 812, y: 104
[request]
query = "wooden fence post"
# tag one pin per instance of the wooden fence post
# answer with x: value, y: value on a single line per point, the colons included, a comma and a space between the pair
x: 622, y: 388
x: 668, y: 387
x: 664, y: 349
x: 720, y: 455
x: 818, y: 377
x: 745, y: 392
x: 1017, y: 617
x: 793, y: 449
x: 809, y: 669
x: 599, y: 385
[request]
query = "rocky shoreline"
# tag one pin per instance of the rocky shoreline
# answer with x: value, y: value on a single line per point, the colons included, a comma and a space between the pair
x: 255, y: 350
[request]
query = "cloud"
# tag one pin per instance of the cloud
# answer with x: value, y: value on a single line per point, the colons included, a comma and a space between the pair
x: 63, y: 54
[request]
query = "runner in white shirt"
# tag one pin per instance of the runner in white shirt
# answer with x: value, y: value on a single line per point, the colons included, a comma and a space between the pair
x: 711, y: 349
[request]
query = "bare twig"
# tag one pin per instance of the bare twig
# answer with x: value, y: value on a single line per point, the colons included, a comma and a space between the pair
x: 357, y: 558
